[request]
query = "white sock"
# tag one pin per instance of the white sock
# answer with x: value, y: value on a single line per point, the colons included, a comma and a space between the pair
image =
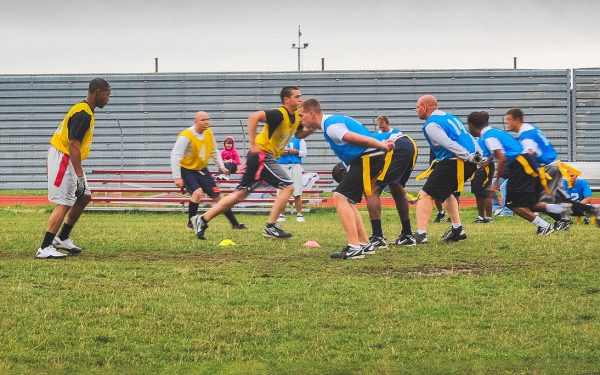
x: 421, y: 231
x: 538, y: 221
x: 456, y: 226
x: 354, y: 247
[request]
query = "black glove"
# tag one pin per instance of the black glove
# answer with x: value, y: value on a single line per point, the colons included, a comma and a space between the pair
x: 81, y: 186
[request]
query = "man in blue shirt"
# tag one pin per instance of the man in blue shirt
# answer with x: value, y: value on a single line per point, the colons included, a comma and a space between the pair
x: 456, y: 155
x: 364, y: 154
x: 579, y: 191
x: 523, y: 186
x: 536, y: 144
x: 291, y: 162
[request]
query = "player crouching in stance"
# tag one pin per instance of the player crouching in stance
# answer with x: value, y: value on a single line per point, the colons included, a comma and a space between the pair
x: 355, y: 146
x: 261, y: 163
x: 523, y: 189
x: 67, y: 185
x: 189, y: 159
x: 456, y: 158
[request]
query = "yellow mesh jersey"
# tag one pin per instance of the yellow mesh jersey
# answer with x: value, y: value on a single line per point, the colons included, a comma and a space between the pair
x: 279, y: 138
x: 198, y: 152
x: 60, y: 138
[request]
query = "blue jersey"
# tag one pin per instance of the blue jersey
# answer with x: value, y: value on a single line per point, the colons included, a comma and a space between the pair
x: 291, y: 158
x: 544, y: 152
x: 385, y: 136
x: 347, y: 152
x: 455, y: 130
x: 486, y: 153
x: 510, y: 146
x: 579, y: 191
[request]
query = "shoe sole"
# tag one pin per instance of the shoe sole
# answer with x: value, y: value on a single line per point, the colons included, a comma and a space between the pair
x: 49, y: 257
x: 266, y: 235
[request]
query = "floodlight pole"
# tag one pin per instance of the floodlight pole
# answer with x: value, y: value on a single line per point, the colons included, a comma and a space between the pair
x: 299, y: 47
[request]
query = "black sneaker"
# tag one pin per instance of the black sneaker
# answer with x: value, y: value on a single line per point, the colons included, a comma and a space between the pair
x: 439, y: 217
x: 368, y: 249
x: 561, y: 225
x: 378, y: 242
x: 544, y: 231
x: 586, y: 220
x: 488, y: 220
x: 420, y: 238
x: 405, y: 240
x: 349, y: 253
x: 274, y: 231
x: 454, y: 234
x: 200, y: 226
x: 480, y: 220
x: 240, y: 226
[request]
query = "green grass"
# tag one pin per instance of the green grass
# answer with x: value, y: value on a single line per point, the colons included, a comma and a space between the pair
x: 147, y: 297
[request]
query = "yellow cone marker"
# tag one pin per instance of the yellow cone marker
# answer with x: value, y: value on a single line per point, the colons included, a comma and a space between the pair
x: 227, y: 242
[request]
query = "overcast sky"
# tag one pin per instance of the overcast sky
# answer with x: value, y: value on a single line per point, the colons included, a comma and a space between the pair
x: 124, y: 36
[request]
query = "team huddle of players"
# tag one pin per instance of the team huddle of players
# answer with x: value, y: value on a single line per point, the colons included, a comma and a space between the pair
x: 370, y: 162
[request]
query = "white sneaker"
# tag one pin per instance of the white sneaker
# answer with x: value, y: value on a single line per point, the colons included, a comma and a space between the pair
x: 300, y: 218
x: 281, y: 218
x: 67, y: 245
x: 49, y: 253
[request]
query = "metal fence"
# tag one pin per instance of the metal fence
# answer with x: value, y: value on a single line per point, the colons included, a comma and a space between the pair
x: 586, y: 115
x: 138, y: 127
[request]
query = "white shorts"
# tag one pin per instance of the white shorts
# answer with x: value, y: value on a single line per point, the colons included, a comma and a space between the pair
x: 62, y: 180
x: 295, y: 171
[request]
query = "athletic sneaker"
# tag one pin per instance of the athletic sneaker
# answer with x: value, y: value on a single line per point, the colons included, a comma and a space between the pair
x: 200, y: 226
x: 49, y: 252
x: 420, y: 238
x: 67, y: 245
x: 439, y: 217
x: 275, y: 231
x: 240, y: 226
x: 405, y: 240
x: 368, y: 249
x: 488, y: 220
x: 454, y: 234
x: 281, y: 218
x: 544, y: 231
x: 480, y: 220
x: 349, y: 253
x: 561, y: 225
x: 300, y: 218
x: 586, y: 220
x: 378, y: 242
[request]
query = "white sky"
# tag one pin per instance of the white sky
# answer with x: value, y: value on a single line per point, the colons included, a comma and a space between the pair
x: 124, y: 36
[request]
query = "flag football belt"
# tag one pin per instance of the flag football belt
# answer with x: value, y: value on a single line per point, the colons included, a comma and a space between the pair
x: 564, y: 170
x: 366, y: 164
x: 487, y: 175
x: 460, y: 173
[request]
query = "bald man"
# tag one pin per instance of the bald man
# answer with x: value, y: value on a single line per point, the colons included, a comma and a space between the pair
x: 189, y: 160
x: 456, y: 157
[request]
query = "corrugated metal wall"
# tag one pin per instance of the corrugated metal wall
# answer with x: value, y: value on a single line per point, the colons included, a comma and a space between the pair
x: 147, y: 111
x: 586, y: 114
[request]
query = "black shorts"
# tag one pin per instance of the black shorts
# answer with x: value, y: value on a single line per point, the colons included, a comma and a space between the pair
x: 482, y: 180
x: 402, y: 164
x: 443, y: 182
x: 263, y: 167
x: 522, y: 190
x: 352, y: 186
x: 202, y: 179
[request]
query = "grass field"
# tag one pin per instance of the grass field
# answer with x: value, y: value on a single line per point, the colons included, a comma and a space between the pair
x: 147, y: 297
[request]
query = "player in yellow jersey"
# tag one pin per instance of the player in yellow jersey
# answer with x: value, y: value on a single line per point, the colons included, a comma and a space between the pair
x: 67, y: 185
x: 261, y: 163
x: 189, y: 160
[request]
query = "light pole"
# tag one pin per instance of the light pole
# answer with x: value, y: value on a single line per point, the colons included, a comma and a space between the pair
x: 299, y: 47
